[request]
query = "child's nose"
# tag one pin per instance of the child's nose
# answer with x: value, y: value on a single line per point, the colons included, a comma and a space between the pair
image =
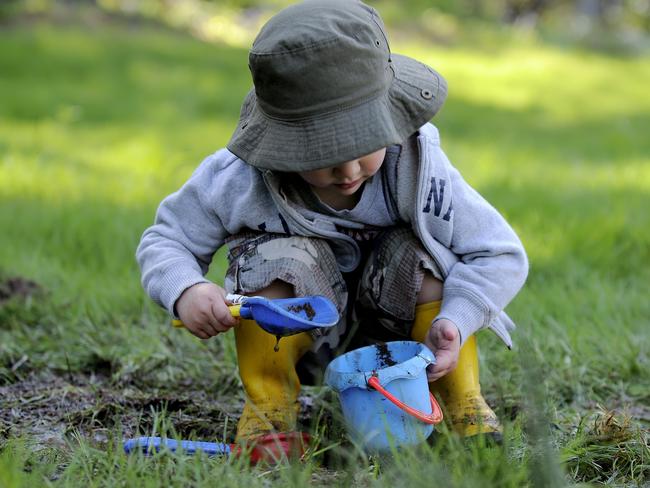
x: 349, y: 169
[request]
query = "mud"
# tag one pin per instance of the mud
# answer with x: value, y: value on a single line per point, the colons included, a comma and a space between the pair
x: 17, y: 287
x: 383, y: 356
x: 48, y: 409
x: 305, y: 307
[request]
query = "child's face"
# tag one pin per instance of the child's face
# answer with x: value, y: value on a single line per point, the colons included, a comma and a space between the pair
x: 346, y: 178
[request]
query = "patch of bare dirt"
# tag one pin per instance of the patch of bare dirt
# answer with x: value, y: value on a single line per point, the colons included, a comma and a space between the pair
x: 17, y: 287
x: 47, y: 408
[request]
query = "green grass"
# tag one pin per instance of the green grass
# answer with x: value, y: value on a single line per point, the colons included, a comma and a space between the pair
x: 98, y: 125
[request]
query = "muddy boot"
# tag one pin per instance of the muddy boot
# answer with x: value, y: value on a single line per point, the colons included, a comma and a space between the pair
x: 270, y: 380
x: 466, y: 411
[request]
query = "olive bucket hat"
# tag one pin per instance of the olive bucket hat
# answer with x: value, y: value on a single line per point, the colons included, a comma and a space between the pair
x: 327, y: 89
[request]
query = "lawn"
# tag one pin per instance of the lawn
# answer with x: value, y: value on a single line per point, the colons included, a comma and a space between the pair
x: 98, y: 123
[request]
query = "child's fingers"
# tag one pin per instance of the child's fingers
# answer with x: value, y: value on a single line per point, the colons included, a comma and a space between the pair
x: 203, y: 335
x: 449, y: 332
x: 211, y: 324
x: 438, y: 372
x: 434, y: 373
x: 212, y: 327
x: 201, y: 323
x: 446, y: 360
x: 444, y: 335
x: 223, y: 317
x: 198, y: 332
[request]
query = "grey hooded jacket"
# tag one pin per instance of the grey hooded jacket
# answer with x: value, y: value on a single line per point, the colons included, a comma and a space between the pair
x: 480, y: 256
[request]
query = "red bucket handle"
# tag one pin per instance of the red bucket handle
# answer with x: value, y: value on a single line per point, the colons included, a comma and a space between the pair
x: 435, y: 417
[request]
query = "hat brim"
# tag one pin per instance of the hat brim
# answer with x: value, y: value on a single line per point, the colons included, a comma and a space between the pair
x: 415, y: 95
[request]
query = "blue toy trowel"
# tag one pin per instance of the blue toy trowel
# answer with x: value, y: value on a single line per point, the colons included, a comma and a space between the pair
x: 283, y: 316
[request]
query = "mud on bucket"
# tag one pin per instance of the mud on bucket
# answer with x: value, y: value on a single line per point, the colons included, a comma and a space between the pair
x: 384, y: 394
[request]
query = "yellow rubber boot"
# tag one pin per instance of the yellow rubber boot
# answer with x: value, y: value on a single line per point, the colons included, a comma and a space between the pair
x: 269, y: 378
x: 465, y: 409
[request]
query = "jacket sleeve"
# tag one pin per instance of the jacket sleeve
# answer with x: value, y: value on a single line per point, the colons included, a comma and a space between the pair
x: 175, y: 252
x: 492, y: 265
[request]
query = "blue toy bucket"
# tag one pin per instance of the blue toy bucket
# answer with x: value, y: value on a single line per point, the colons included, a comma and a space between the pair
x: 384, y: 394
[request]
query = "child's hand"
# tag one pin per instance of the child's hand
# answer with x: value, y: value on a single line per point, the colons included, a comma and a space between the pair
x: 203, y: 310
x: 444, y: 340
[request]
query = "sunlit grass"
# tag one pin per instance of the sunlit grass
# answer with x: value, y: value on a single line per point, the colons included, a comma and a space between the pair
x: 567, y: 84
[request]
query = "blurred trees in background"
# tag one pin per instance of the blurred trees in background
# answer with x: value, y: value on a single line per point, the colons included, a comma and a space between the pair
x: 602, y: 12
x: 443, y: 20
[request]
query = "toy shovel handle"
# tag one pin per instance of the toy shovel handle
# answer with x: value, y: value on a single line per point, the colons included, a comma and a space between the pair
x: 235, y: 311
x: 435, y: 417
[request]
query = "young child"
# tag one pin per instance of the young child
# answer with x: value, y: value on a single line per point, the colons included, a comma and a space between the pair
x: 334, y: 184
